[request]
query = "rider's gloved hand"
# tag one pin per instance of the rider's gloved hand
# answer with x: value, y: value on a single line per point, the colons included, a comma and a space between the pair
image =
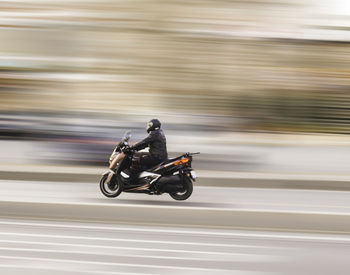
x: 127, y: 149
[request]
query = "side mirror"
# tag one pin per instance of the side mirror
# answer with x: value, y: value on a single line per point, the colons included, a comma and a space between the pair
x: 127, y: 135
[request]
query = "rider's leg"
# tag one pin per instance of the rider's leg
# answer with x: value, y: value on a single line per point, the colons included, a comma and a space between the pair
x: 148, y: 162
x: 141, y: 161
x: 135, y: 167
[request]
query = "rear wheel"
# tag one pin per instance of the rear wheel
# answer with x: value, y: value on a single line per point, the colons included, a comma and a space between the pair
x: 185, y: 193
x: 111, y: 189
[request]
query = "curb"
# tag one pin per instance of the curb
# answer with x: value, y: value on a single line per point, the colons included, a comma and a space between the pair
x: 311, y: 183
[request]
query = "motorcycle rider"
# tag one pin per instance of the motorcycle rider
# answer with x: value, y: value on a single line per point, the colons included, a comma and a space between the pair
x: 156, y: 142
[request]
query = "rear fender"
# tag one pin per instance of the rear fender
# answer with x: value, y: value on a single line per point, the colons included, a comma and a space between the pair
x: 107, y: 172
x: 190, y: 173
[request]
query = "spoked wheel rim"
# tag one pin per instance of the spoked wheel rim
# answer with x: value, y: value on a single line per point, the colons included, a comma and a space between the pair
x: 186, y: 193
x: 181, y: 193
x: 111, y: 189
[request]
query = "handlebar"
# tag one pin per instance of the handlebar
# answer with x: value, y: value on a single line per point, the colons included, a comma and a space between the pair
x: 127, y: 149
x: 191, y: 154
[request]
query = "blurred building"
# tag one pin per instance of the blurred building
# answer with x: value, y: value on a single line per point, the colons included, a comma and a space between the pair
x: 271, y: 65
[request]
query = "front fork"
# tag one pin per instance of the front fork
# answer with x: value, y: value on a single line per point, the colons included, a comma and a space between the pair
x: 110, y: 174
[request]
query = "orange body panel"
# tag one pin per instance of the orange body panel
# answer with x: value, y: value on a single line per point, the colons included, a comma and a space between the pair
x: 181, y: 161
x: 116, y: 160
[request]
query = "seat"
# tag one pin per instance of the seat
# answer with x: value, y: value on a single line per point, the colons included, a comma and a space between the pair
x: 168, y: 160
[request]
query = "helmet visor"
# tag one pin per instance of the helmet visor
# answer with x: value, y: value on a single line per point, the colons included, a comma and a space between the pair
x: 149, y: 125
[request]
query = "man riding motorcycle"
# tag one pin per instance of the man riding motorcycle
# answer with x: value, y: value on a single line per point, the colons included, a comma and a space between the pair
x: 156, y: 142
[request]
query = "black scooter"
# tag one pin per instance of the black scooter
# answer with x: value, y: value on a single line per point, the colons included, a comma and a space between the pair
x: 173, y: 176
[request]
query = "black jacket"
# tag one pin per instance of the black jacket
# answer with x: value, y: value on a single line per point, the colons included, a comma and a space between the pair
x: 156, y: 142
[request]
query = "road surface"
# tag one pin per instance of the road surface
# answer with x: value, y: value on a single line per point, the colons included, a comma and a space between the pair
x: 203, y: 197
x: 54, y: 239
x: 51, y: 247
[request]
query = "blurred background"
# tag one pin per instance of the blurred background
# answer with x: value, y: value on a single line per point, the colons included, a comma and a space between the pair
x: 260, y: 87
x: 74, y: 75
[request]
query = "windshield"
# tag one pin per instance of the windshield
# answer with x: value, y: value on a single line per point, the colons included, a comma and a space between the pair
x: 127, y: 135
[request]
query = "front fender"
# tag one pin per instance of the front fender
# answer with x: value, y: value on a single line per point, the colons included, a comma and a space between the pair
x: 108, y: 172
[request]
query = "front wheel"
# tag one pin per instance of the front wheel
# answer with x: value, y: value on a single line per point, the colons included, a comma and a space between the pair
x: 185, y: 193
x: 111, y: 189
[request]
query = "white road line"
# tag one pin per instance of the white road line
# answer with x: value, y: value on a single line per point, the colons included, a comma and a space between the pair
x: 115, y: 264
x: 182, y: 231
x: 237, y: 256
x: 69, y: 270
x: 15, y: 266
x: 122, y: 247
x: 115, y: 239
x: 127, y: 229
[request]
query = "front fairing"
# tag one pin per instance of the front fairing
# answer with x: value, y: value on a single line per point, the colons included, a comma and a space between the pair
x: 117, y: 154
x: 115, y: 159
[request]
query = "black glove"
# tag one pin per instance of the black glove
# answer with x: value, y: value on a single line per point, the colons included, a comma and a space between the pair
x: 127, y: 149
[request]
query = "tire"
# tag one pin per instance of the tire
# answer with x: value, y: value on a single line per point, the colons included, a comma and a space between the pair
x: 188, y: 189
x: 111, y: 190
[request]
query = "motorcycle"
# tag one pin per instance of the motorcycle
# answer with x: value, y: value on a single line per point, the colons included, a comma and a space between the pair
x: 174, y: 176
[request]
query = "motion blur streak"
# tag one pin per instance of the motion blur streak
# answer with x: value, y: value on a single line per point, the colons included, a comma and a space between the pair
x: 279, y: 64
x: 57, y: 248
x: 259, y: 87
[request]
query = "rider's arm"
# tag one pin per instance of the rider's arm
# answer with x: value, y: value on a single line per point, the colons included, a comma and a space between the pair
x: 143, y: 143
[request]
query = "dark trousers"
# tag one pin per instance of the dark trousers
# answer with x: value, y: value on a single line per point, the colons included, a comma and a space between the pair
x: 147, y: 161
x: 143, y: 161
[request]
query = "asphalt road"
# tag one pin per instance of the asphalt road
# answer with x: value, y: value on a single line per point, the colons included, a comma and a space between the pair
x: 288, y: 200
x: 52, y: 247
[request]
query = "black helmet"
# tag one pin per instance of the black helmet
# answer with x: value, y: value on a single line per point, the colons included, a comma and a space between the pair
x: 153, y: 124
